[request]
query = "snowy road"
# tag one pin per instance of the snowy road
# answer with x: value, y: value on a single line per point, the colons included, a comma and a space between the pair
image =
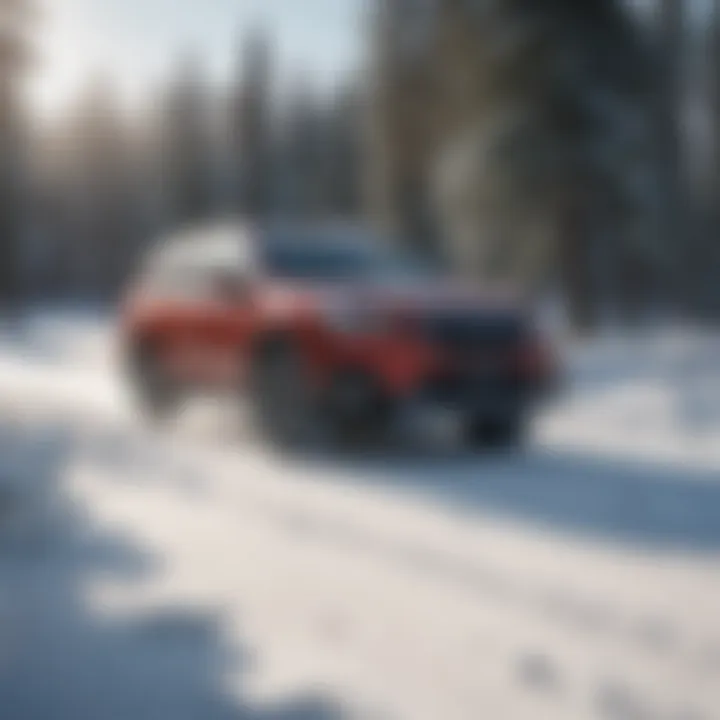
x: 193, y: 575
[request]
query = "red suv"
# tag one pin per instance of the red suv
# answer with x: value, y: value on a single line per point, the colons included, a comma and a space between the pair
x: 322, y: 327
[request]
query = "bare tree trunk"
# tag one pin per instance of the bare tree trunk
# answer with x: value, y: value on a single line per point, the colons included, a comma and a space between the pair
x: 9, y: 198
x: 670, y: 104
x: 712, y: 215
x: 575, y: 265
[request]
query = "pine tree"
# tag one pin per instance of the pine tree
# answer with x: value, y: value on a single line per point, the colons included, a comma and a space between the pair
x: 530, y: 118
x: 251, y: 128
x: 343, y: 162
x: 102, y: 195
x: 187, y: 146
x: 302, y: 153
x: 713, y: 194
x: 399, y: 123
x: 16, y: 17
x: 670, y: 106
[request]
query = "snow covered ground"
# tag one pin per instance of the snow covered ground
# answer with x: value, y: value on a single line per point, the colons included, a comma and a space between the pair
x: 192, y: 575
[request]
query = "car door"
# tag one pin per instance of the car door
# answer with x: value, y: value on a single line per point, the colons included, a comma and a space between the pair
x: 224, y: 324
x: 180, y: 301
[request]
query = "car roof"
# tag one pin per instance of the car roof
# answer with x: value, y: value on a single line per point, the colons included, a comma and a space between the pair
x: 237, y: 241
x: 217, y: 245
x: 316, y: 234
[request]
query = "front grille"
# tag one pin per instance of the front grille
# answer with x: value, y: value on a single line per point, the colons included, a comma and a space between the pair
x: 481, y: 353
x: 471, y: 334
x: 464, y: 388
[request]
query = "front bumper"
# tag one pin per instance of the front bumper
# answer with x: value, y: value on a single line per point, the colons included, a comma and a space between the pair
x: 362, y: 374
x: 363, y: 395
x: 477, y: 393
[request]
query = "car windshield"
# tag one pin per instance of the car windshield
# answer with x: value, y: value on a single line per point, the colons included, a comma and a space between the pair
x: 341, y: 262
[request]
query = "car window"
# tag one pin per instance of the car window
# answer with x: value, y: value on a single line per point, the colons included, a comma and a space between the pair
x: 340, y: 262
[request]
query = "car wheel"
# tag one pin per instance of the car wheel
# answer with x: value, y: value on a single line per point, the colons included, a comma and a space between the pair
x: 157, y: 394
x: 358, y: 414
x: 281, y: 397
x: 485, y: 434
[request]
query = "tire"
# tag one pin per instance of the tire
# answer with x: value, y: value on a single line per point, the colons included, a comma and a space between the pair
x: 281, y: 397
x: 156, y: 393
x: 495, y: 434
x: 360, y: 427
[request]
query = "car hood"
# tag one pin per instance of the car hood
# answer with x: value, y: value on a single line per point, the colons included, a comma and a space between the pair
x: 425, y: 298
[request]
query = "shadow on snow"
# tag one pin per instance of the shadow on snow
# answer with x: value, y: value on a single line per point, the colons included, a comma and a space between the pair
x: 61, y: 658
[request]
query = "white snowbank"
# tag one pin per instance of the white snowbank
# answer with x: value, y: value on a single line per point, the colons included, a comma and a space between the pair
x: 184, y: 576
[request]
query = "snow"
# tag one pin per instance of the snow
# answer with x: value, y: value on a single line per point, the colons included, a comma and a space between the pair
x: 189, y: 573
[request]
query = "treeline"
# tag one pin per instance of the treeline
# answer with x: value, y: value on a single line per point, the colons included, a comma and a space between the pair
x: 563, y: 144
x: 104, y: 181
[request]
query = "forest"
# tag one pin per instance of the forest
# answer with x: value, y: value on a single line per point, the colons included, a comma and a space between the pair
x: 573, y: 148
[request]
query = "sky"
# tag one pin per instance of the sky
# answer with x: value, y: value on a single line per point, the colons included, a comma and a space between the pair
x: 136, y: 42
